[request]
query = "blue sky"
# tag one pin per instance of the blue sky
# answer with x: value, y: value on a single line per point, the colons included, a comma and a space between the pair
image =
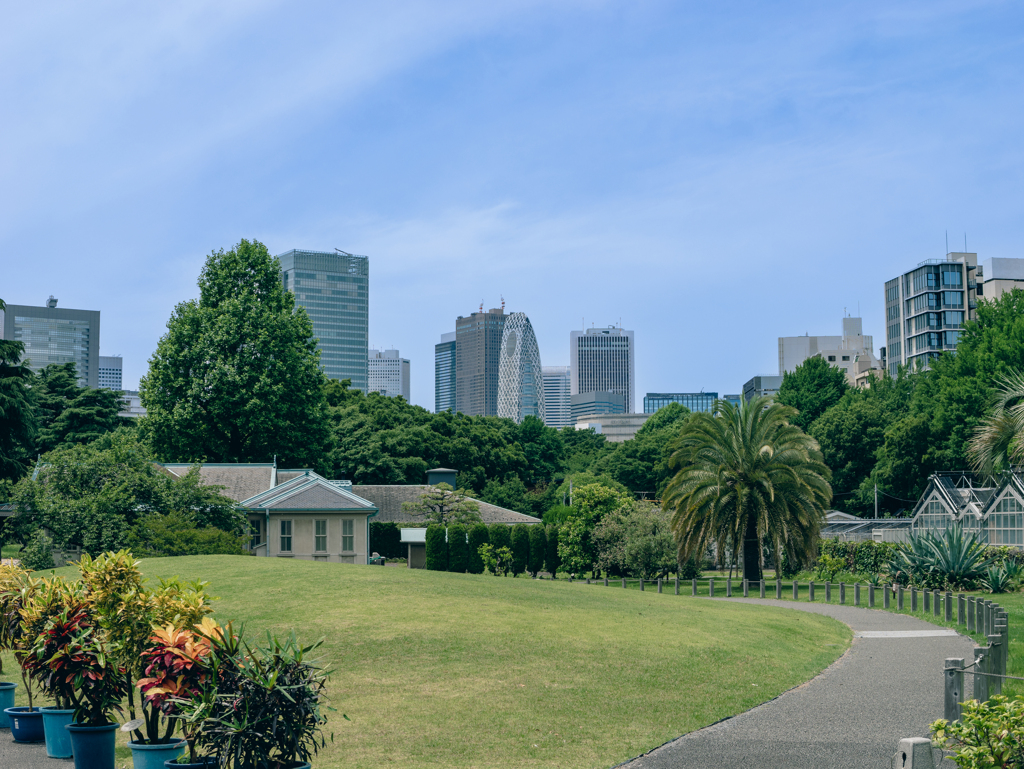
x: 714, y: 175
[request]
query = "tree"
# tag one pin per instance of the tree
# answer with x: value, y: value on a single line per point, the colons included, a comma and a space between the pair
x: 91, y: 414
x: 590, y: 504
x: 641, y: 463
x: 552, y: 561
x: 18, y: 422
x: 500, y: 535
x: 458, y: 548
x: 437, y: 548
x: 637, y: 540
x: 441, y: 505
x: 747, y: 476
x: 998, y: 442
x: 477, y: 537
x: 520, y: 548
x: 237, y: 376
x: 538, y: 549
x: 811, y: 389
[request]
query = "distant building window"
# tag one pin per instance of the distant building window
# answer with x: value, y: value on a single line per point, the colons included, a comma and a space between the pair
x: 846, y: 357
x: 256, y: 534
x: 286, y: 536
x: 321, y: 536
x: 831, y: 358
x: 348, y: 536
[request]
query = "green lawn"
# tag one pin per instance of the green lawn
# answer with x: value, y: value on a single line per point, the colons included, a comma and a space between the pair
x: 452, y: 670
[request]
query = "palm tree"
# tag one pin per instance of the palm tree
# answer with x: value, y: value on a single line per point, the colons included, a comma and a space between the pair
x: 998, y: 442
x: 746, y: 474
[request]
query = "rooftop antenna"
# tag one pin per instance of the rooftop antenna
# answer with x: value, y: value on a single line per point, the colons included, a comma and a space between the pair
x: 345, y: 253
x: 965, y: 242
x: 503, y: 304
x: 481, y: 305
x: 947, y: 241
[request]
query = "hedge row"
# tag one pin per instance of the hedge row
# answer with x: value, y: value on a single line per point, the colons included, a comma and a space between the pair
x: 533, y: 547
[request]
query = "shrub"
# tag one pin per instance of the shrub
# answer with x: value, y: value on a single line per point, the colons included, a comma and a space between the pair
x: 829, y: 566
x: 437, y: 548
x: 174, y: 534
x: 690, y: 569
x: 500, y: 535
x: 38, y: 554
x: 952, y: 559
x: 538, y: 548
x: 498, y: 560
x: 458, y: 548
x: 477, y: 537
x: 520, y: 548
x: 996, y: 579
x: 988, y: 734
x: 551, y: 558
x: 386, y: 539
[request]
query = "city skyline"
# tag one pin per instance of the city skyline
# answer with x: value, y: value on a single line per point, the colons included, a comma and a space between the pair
x: 736, y: 172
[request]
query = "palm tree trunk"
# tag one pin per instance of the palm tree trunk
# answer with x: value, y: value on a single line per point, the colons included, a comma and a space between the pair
x: 751, y: 551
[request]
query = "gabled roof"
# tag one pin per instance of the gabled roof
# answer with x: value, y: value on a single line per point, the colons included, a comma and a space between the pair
x: 240, y: 481
x: 308, y: 491
x: 389, y: 499
x: 1009, y: 481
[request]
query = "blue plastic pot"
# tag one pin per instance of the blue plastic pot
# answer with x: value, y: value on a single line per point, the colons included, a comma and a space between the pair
x: 26, y: 723
x: 202, y: 763
x: 58, y: 741
x: 155, y: 756
x: 6, y: 701
x: 93, y: 746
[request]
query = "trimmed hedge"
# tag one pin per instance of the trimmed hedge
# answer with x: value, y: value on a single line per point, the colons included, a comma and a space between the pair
x: 520, y: 548
x: 477, y: 537
x: 861, y: 557
x: 551, y: 558
x: 437, y: 548
x: 500, y: 535
x: 458, y: 548
x: 538, y: 549
x: 386, y: 539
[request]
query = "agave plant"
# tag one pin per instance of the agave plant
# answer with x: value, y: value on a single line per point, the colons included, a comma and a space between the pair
x: 953, y: 559
x: 997, y: 579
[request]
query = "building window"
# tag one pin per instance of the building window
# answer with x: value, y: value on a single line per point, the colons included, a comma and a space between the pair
x: 255, y: 533
x: 348, y: 536
x: 831, y: 358
x: 321, y: 536
x: 1006, y: 522
x: 286, y: 536
x: 846, y: 357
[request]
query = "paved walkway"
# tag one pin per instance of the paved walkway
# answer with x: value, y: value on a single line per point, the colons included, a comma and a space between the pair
x: 852, y: 716
x: 15, y: 755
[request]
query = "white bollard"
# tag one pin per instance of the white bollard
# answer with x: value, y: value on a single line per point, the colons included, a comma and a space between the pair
x: 914, y: 753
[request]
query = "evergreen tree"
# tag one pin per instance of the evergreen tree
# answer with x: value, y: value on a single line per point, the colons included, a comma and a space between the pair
x: 811, y: 389
x: 538, y: 549
x: 520, y: 548
x: 458, y: 548
x: 477, y: 537
x: 551, y: 558
x: 236, y: 378
x: 18, y: 422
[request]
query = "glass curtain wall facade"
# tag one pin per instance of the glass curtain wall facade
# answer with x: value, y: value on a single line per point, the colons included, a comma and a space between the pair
x: 557, y: 391
x: 520, y: 379
x: 926, y: 308
x: 334, y: 289
x: 478, y: 345
x: 444, y: 374
x: 693, y: 401
x: 53, y: 334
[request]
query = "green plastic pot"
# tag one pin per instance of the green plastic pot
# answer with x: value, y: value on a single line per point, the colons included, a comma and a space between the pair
x: 93, y: 746
x: 6, y: 701
x: 58, y: 739
x: 155, y: 756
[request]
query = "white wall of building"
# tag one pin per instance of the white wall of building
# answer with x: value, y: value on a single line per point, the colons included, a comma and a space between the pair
x: 387, y: 373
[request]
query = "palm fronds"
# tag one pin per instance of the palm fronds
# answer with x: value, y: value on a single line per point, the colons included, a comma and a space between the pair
x: 997, y: 442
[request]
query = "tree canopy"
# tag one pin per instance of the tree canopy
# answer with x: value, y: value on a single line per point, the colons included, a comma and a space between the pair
x: 18, y: 419
x: 811, y: 389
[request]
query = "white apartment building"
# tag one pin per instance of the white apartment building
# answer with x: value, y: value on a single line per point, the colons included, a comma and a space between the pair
x: 996, y: 276
x: 110, y: 372
x: 853, y: 352
x: 388, y: 373
x: 603, y: 360
x: 557, y: 392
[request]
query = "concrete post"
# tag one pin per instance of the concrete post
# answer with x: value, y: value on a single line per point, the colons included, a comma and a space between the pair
x: 606, y: 581
x: 746, y: 588
x: 927, y: 601
x: 659, y: 584
x: 949, y: 606
x: 1001, y: 631
x: 961, y: 609
x: 981, y: 682
x: 913, y: 753
x: 937, y: 603
x: 778, y: 588
x: 623, y: 582
x: 641, y: 583
x: 677, y: 583
x: 711, y: 588
x: 970, y: 614
x: 828, y: 592
x: 954, y: 680
x: 913, y: 599
x: 842, y: 592
x: 728, y: 587
x: 588, y: 580
x: 695, y: 586
x: 796, y: 591
x: 762, y: 588
x: 810, y: 591
x: 995, y: 685
x: 856, y: 594
x: 899, y: 598
x: 886, y: 594
x: 979, y: 620
x: 871, y: 596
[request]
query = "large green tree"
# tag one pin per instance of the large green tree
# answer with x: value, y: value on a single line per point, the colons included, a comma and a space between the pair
x: 641, y: 464
x: 237, y: 378
x: 811, y: 389
x: 70, y: 413
x: 18, y: 420
x: 746, y: 476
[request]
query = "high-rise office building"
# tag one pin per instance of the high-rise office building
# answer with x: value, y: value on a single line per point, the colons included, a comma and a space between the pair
x: 334, y: 290
x: 387, y: 373
x: 557, y: 391
x: 926, y: 308
x: 54, y: 335
x: 585, y: 405
x: 602, y: 359
x: 478, y: 356
x: 444, y: 374
x: 520, y: 381
x: 998, y: 275
x: 761, y: 385
x: 693, y: 401
x: 110, y: 372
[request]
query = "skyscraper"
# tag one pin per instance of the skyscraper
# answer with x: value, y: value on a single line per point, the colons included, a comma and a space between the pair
x: 926, y: 308
x: 444, y: 374
x: 602, y: 360
x: 110, y: 372
x: 478, y: 354
x: 557, y: 391
x: 55, y: 335
x: 334, y: 289
x: 520, y: 381
x: 388, y: 373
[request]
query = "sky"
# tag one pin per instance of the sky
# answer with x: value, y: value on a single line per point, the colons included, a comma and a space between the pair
x: 709, y: 175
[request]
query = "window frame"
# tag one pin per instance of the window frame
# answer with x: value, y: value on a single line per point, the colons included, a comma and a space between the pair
x: 283, y: 536
x: 348, y: 535
x: 317, y: 536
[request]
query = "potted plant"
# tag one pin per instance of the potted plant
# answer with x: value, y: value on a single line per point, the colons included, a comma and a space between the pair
x: 25, y: 723
x: 10, y: 577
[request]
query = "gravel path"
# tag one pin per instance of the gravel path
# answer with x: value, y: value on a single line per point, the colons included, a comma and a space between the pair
x: 852, y: 716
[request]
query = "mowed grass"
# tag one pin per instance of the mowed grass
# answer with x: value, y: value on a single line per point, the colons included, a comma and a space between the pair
x: 454, y: 670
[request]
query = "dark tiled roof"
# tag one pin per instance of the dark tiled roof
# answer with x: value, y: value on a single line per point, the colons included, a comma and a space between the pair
x: 239, y: 481
x: 287, y: 475
x: 388, y: 500
x: 317, y: 496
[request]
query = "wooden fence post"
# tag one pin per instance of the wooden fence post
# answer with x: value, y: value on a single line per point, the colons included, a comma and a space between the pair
x: 954, y: 680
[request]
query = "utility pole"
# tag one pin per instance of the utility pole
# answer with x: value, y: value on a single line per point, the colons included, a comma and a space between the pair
x: 876, y: 500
